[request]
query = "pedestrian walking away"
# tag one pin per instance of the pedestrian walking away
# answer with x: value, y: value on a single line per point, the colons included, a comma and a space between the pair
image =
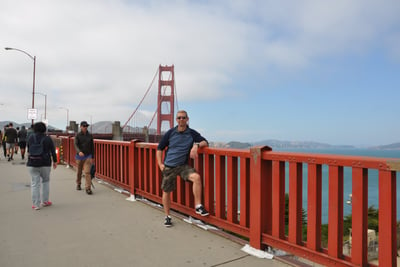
x: 181, y: 142
x: 3, y: 141
x: 22, y: 134
x: 84, y: 147
x: 11, y: 138
x: 17, y: 142
x: 41, y: 151
x: 1, y: 137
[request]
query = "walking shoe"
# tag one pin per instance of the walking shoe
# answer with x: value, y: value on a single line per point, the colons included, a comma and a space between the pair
x: 202, y: 211
x: 167, y: 222
x: 88, y: 191
x: 78, y: 187
x: 47, y: 203
x: 35, y: 208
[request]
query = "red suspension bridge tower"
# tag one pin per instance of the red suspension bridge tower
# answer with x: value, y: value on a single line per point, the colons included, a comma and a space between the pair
x: 165, y: 100
x: 166, y: 96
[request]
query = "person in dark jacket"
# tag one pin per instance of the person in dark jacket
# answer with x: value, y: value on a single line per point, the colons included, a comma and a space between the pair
x: 22, y: 134
x: 40, y: 166
x: 3, y: 141
x: 84, y: 147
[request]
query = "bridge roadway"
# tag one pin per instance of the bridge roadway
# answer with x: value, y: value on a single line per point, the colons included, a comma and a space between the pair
x: 103, y: 229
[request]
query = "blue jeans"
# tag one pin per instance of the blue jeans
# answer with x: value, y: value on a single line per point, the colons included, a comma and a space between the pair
x: 40, y: 180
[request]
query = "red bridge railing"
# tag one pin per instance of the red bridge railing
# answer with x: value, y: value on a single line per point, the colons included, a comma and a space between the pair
x: 244, y: 190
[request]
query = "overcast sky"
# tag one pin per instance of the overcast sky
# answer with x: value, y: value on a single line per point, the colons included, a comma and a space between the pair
x: 325, y: 71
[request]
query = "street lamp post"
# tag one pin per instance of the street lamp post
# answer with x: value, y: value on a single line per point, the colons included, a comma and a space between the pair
x: 66, y: 129
x: 45, y: 104
x: 34, y: 70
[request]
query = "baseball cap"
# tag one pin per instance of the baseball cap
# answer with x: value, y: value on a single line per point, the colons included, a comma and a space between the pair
x: 84, y: 123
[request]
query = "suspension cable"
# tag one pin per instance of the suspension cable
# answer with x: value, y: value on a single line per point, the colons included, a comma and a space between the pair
x: 141, y: 101
x: 176, y: 95
x: 158, y: 107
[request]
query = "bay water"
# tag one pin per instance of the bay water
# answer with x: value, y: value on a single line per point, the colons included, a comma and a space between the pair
x: 373, y: 181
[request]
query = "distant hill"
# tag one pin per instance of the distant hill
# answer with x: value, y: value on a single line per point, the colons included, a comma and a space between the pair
x: 27, y: 125
x: 235, y: 144
x: 105, y: 127
x: 278, y: 144
x: 394, y: 146
x: 299, y: 144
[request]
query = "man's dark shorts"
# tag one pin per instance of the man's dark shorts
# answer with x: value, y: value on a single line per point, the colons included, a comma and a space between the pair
x: 22, y: 144
x: 169, y: 176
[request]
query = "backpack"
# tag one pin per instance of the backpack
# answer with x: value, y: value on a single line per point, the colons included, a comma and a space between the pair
x: 36, y: 151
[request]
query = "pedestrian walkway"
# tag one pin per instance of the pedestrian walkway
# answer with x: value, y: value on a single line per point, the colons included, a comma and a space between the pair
x: 103, y: 229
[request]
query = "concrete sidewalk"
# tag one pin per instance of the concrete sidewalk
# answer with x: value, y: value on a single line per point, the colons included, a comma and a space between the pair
x: 103, y: 229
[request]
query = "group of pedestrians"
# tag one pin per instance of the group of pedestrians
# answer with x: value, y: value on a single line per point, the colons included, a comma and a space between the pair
x: 42, y: 156
x: 13, y: 139
x: 180, y: 143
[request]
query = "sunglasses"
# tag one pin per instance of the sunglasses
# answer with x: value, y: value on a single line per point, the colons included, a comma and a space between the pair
x: 85, y: 125
x: 181, y: 118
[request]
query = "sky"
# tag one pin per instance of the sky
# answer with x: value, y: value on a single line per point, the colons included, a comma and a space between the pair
x: 323, y: 71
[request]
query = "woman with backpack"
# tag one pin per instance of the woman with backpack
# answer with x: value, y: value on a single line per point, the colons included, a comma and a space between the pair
x: 40, y: 152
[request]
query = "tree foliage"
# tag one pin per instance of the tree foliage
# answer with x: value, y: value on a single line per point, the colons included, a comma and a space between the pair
x: 373, y: 222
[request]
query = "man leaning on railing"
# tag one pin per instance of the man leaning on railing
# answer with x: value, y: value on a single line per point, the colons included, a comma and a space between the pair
x: 181, y: 141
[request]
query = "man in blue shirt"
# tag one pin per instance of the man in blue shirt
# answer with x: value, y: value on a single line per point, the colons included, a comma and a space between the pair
x: 182, y: 142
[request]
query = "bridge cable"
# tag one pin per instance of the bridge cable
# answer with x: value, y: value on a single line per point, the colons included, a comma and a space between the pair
x: 176, y: 95
x: 141, y: 101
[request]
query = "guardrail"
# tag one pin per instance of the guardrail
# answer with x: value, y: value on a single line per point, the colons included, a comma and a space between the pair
x: 244, y: 190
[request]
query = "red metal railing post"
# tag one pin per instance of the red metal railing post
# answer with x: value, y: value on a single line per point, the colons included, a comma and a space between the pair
x: 70, y: 145
x: 132, y: 166
x: 232, y: 190
x: 359, y: 251
x: 295, y: 202
x: 257, y: 184
x: 387, y: 218
x: 209, y: 178
x: 335, y: 229
x: 244, y: 191
x: 278, y: 198
x: 314, y: 207
x: 220, y: 168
